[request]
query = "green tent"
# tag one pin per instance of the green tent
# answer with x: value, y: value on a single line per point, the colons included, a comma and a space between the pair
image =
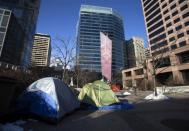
x: 97, y: 94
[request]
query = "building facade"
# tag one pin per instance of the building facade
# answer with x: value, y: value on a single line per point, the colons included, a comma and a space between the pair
x: 167, y: 27
x: 166, y: 24
x: 147, y: 53
x: 92, y: 21
x: 11, y: 38
x: 41, y: 52
x: 135, y: 52
x: 26, y: 13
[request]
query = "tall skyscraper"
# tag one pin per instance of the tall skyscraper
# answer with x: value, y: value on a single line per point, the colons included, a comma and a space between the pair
x: 92, y: 21
x: 167, y: 25
x: 26, y: 13
x: 135, y: 52
x: 41, y: 52
x: 11, y: 38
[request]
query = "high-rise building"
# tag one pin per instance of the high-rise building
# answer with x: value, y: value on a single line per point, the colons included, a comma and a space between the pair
x: 135, y: 52
x: 11, y: 38
x: 147, y: 53
x: 41, y: 52
x: 167, y: 26
x: 26, y: 13
x: 92, y: 21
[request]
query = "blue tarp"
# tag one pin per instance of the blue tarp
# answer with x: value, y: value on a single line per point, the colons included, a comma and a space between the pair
x: 115, y: 106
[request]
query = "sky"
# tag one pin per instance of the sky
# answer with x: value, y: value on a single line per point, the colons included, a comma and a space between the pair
x: 59, y: 17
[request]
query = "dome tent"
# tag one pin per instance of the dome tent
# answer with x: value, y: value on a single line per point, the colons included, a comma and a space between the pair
x: 97, y: 94
x: 48, y: 98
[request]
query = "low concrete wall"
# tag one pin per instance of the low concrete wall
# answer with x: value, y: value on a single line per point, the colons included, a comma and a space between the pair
x: 173, y: 89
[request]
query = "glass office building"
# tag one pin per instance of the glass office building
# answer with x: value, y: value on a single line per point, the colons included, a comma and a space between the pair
x: 26, y: 13
x: 92, y: 21
x: 11, y: 38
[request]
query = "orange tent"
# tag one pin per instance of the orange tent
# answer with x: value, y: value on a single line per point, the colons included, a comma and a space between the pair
x: 116, y: 87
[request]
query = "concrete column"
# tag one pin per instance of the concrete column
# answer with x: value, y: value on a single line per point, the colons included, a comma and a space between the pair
x: 177, y: 75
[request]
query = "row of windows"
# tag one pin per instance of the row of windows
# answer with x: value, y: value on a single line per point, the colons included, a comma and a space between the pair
x: 154, y: 20
x: 153, y: 14
x: 150, y: 5
x: 4, y: 20
x: 157, y: 32
x: 152, y: 9
x: 158, y: 45
x: 181, y: 44
x: 155, y: 26
x: 91, y: 62
x: 158, y: 38
x: 178, y: 36
x: 146, y: 2
x: 113, y: 27
x: 160, y: 51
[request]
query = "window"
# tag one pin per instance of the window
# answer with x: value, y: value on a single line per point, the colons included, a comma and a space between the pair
x: 186, y: 23
x: 184, y: 7
x: 7, y: 13
x: 180, y: 35
x: 158, y: 38
x: 165, y: 12
x: 170, y: 31
x: 0, y: 18
x: 178, y: 27
x: 173, y: 47
x: 152, y: 15
x: 157, y: 32
x: 185, y: 15
x: 173, y: 6
x: 183, y: 43
x: 2, y: 29
x: 171, y: 39
x: 155, y: 26
x: 150, y: 5
x: 180, y: 1
x: 2, y: 36
x: 175, y: 13
x: 176, y: 20
x: 5, y: 21
x: 1, y: 11
x: 167, y: 18
x: 154, y: 20
x: 152, y: 9
x: 168, y: 25
x: 170, y: 1
x: 164, y: 5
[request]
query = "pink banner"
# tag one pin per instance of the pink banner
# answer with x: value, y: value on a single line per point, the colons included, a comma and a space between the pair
x: 106, y: 56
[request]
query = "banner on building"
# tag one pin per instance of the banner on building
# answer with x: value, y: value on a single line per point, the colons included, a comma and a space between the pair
x: 106, y: 56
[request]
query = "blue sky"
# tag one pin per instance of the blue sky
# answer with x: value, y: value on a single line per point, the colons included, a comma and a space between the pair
x: 59, y: 17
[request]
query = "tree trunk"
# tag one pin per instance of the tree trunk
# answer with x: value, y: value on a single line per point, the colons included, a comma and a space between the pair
x: 154, y: 84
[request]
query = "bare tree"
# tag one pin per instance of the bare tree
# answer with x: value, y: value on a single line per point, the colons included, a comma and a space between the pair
x: 65, y: 53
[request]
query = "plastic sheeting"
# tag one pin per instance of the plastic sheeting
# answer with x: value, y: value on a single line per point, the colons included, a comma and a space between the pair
x: 97, y: 94
x: 49, y: 98
x: 115, y: 106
